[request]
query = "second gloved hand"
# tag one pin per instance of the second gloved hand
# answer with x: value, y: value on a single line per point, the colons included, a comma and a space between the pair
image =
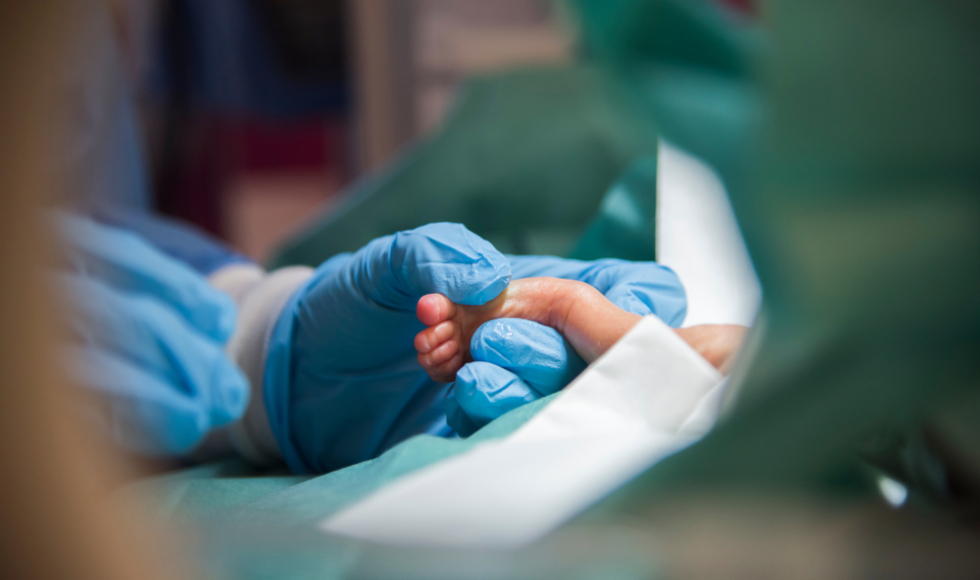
x: 147, y: 336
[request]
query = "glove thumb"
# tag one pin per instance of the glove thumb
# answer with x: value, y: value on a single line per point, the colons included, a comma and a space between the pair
x: 395, y: 271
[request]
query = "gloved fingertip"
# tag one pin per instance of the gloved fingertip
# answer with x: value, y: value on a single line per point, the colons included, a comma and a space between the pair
x: 457, y: 263
x: 515, y: 343
x: 230, y: 393
x: 499, y: 279
x: 182, y: 436
x: 457, y: 419
x: 538, y: 354
x: 226, y: 319
x: 499, y: 331
x: 465, y: 379
x: 486, y: 391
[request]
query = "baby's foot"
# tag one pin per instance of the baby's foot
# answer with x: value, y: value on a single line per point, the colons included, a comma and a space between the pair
x: 444, y: 346
x: 580, y: 312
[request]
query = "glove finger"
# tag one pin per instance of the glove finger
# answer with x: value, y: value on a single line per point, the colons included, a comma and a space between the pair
x: 539, y: 355
x: 136, y: 409
x: 666, y: 302
x: 129, y: 263
x: 483, y: 392
x: 395, y: 271
x: 643, y: 288
x: 150, y: 335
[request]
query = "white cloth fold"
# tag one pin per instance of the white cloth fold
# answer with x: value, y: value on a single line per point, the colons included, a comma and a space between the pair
x: 260, y: 298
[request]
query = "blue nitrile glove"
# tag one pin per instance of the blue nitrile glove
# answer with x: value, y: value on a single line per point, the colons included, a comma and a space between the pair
x: 147, y: 338
x: 342, y: 381
x: 519, y: 361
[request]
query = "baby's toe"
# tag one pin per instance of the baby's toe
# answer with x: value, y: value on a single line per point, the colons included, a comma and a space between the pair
x: 439, y: 354
x: 434, y: 336
x: 446, y: 372
x: 434, y: 308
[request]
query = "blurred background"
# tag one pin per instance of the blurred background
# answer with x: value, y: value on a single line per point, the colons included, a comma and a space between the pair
x: 257, y: 113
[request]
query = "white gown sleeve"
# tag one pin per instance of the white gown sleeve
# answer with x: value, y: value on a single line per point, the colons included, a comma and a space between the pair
x: 651, y: 380
x: 260, y: 297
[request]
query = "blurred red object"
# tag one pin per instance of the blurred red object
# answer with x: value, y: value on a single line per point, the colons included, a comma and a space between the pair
x: 217, y: 154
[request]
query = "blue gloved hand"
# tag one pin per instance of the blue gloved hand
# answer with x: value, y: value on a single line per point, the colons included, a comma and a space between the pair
x: 342, y: 382
x: 519, y: 361
x: 147, y: 336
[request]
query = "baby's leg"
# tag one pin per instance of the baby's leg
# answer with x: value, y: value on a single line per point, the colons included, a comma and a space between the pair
x: 587, y: 319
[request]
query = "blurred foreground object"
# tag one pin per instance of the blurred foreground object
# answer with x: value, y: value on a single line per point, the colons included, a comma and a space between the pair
x: 54, y: 520
x: 860, y: 212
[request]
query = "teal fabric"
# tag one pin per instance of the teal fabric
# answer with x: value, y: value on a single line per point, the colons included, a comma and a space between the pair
x: 626, y: 223
x: 198, y: 493
x: 322, y: 496
x: 250, y: 523
x: 856, y: 192
x: 232, y: 489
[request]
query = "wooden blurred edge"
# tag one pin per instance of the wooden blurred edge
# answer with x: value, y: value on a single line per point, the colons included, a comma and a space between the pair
x: 55, y: 517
